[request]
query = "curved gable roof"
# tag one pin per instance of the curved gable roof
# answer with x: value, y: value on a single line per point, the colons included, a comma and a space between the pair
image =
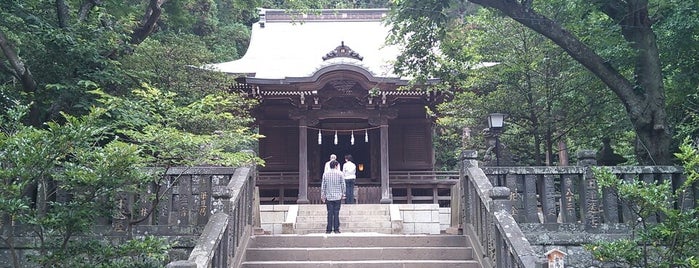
x: 285, y: 46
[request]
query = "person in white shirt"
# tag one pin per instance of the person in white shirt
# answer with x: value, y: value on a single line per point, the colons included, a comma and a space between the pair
x: 349, y: 172
x: 327, y: 164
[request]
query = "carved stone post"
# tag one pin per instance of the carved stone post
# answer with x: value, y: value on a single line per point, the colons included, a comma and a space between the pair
x: 548, y: 200
x: 220, y: 195
x: 591, y: 204
x: 568, y: 200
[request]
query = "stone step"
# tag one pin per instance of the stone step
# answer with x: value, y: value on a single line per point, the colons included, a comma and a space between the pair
x: 346, y: 231
x: 344, y: 212
x: 366, y: 253
x: 324, y: 218
x: 344, y: 225
x: 360, y: 251
x: 366, y: 264
x: 364, y: 207
x: 364, y: 240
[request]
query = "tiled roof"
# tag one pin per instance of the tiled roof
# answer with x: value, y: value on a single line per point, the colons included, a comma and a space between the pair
x: 284, y: 45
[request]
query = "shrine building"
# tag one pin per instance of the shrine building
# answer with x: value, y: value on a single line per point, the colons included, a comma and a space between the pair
x: 326, y: 85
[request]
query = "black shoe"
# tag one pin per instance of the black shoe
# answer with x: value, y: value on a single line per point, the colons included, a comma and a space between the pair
x: 327, y: 232
x: 337, y: 231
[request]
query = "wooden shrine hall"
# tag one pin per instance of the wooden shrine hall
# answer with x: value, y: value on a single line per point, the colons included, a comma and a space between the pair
x: 326, y: 85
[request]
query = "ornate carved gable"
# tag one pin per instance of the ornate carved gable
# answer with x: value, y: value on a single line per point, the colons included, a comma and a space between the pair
x: 343, y: 86
x: 342, y: 51
x: 343, y: 103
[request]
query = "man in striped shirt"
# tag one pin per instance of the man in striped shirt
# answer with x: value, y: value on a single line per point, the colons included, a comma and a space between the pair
x: 332, y: 190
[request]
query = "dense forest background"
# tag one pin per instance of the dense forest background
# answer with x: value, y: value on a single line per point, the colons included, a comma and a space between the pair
x: 56, y: 52
x: 91, y: 90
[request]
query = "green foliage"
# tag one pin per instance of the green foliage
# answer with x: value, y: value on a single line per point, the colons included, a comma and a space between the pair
x: 418, y: 29
x: 96, y: 125
x: 96, y: 50
x: 678, y: 34
x: 449, y: 138
x: 74, y: 158
x: 95, y: 157
x: 505, y: 67
x: 204, y: 132
x: 674, y: 241
x: 143, y: 252
x: 442, y: 40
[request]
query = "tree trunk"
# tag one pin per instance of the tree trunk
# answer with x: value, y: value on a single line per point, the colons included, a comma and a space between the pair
x: 644, y: 99
x: 62, y: 13
x: 85, y: 8
x: 149, y: 22
x: 22, y: 73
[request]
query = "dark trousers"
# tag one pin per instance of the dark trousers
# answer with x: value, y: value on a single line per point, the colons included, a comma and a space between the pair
x: 349, y: 191
x: 333, y: 215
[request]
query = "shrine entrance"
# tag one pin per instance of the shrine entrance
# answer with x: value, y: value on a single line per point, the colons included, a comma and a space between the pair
x: 352, y: 139
x: 339, y: 87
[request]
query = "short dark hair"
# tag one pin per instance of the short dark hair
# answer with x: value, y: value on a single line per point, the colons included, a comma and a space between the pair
x: 348, y: 157
x: 333, y: 164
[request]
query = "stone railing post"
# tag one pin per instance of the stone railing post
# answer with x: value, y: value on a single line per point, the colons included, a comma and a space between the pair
x: 607, y: 203
x: 590, y: 206
x: 500, y: 201
x: 221, y: 196
x: 468, y: 160
x: 587, y: 158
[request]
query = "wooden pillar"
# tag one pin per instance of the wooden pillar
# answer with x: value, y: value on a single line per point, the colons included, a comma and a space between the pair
x: 303, y: 162
x: 385, y: 189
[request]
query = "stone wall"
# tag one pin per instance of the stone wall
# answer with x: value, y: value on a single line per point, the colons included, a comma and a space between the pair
x: 272, y: 218
x: 419, y: 218
x: 193, y: 195
x: 570, y: 239
x: 184, y: 238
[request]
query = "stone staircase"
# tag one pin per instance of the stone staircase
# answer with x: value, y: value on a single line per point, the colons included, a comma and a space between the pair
x: 372, y: 237
x: 353, y: 218
x: 365, y: 250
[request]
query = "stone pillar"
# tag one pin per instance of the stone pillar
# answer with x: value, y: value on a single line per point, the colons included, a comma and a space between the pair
x: 530, y: 202
x: 568, y: 199
x: 385, y: 186
x: 303, y: 162
x: 548, y: 199
x: 590, y: 199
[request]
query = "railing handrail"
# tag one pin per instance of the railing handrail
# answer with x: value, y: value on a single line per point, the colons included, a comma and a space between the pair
x: 230, y: 226
x: 486, y: 216
x: 569, y: 194
x: 421, y: 175
x: 428, y: 172
x: 544, y: 170
x: 542, y: 195
x: 204, y: 250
